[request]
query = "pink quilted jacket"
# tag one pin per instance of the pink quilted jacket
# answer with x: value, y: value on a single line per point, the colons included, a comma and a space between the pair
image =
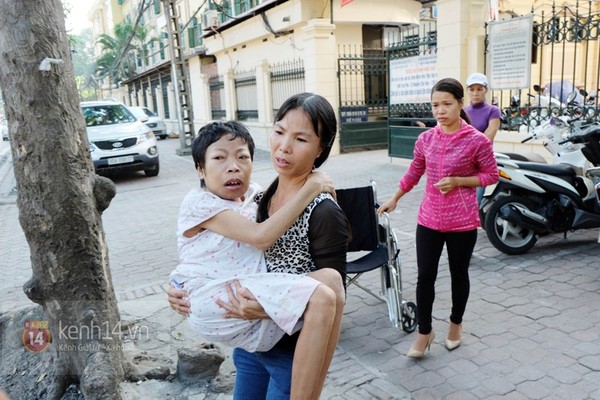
x: 466, y: 152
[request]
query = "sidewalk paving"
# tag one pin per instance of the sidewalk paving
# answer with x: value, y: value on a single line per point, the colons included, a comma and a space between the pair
x: 531, y: 330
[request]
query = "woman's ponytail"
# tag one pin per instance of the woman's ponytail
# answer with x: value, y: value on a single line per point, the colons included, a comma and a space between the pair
x: 464, y: 116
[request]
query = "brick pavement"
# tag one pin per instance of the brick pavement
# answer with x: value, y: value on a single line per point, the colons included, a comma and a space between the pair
x: 531, y: 330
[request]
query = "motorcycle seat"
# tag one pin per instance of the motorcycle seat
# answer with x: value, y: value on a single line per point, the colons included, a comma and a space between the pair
x: 550, y: 169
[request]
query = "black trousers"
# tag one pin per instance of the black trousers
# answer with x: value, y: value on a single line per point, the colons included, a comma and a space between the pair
x: 459, y: 246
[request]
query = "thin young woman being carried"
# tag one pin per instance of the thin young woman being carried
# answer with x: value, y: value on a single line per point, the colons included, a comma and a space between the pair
x: 219, y: 244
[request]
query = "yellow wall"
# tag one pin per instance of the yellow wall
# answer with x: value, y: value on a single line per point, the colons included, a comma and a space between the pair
x: 380, y: 12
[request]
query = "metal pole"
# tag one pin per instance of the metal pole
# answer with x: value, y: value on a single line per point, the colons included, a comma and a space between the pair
x: 175, y: 77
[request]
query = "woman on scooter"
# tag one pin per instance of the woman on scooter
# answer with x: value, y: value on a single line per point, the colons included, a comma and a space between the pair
x: 456, y: 159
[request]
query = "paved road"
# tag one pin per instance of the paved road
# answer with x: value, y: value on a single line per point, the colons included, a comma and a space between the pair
x: 531, y: 330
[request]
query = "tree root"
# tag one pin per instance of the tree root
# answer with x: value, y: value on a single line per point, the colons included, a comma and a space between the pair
x: 99, y: 380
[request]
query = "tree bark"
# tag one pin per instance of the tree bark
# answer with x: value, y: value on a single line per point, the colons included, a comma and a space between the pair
x: 60, y: 199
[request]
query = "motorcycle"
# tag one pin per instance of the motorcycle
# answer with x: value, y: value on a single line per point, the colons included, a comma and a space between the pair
x: 591, y: 110
x: 533, y: 200
x: 542, y: 106
x: 512, y: 116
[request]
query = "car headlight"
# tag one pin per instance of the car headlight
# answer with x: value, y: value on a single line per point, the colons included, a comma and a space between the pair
x: 152, y: 125
x: 145, y: 136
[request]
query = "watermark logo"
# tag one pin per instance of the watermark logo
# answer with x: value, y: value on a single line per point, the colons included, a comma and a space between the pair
x: 36, y: 335
x: 96, y: 336
x: 101, y: 330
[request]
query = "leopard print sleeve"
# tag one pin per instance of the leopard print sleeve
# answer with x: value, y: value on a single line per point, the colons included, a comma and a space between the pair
x: 291, y: 253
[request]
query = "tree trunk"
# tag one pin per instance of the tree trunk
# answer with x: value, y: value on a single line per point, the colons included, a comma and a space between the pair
x: 60, y: 199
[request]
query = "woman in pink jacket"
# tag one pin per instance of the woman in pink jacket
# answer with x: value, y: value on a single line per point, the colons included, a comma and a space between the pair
x: 456, y: 159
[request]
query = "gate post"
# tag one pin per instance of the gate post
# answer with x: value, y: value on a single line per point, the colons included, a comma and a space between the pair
x: 320, y: 62
x: 461, y: 35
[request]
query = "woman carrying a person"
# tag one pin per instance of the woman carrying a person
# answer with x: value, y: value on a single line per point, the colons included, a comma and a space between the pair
x: 301, y: 140
x: 456, y: 158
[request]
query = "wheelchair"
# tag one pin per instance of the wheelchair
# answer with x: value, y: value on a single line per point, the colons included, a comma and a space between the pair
x: 374, y: 235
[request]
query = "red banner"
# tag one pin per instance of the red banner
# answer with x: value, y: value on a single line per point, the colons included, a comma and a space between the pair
x: 344, y: 2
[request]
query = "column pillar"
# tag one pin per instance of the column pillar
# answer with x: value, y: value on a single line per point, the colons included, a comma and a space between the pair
x: 148, y: 98
x: 172, y: 107
x: 264, y: 99
x: 139, y: 97
x: 461, y: 37
x: 160, y: 107
x: 230, y: 99
x: 320, y: 64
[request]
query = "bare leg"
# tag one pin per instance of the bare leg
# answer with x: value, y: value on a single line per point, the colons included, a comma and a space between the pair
x: 318, y: 337
x: 454, y: 331
x: 334, y: 281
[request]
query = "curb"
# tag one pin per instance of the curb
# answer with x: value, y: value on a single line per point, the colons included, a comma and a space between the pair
x: 4, y: 154
x: 7, y: 194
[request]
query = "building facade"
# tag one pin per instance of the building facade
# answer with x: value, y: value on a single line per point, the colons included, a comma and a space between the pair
x: 244, y: 57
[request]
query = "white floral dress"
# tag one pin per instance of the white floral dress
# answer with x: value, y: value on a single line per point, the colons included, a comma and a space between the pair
x: 208, y: 261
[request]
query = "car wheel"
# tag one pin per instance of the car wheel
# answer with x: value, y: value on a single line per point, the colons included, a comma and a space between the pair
x: 163, y: 137
x: 154, y: 171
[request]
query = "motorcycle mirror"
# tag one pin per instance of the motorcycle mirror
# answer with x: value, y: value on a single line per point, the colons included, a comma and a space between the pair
x: 571, y: 96
x: 537, y: 88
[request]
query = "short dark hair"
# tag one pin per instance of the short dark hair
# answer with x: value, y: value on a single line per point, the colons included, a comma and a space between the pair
x: 321, y: 115
x: 455, y: 88
x: 212, y: 132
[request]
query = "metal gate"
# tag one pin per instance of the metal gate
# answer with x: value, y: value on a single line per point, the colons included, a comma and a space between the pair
x: 362, y: 77
x: 565, y: 57
x: 407, y: 120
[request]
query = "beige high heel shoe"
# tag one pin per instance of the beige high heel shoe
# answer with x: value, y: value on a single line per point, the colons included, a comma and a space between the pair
x: 453, y: 344
x: 414, y: 353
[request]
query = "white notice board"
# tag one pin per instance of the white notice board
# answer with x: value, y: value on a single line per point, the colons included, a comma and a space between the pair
x: 509, y: 55
x: 412, y: 78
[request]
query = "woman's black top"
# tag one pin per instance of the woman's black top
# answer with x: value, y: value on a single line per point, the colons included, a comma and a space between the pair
x: 328, y: 235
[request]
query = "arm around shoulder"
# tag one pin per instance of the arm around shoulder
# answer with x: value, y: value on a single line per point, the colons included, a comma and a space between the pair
x: 262, y: 235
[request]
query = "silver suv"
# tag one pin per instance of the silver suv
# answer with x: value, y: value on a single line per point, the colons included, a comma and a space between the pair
x: 118, y: 140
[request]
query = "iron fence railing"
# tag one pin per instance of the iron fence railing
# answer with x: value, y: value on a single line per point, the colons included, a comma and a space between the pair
x: 362, y: 74
x: 217, y: 97
x: 287, y: 79
x: 246, y: 96
x: 565, y: 50
x: 413, y: 42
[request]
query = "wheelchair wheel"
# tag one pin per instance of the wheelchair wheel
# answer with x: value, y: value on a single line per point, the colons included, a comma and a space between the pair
x: 409, y: 316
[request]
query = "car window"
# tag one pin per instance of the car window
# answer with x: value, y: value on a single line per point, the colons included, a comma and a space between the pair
x: 148, y: 112
x: 138, y: 112
x: 107, y: 115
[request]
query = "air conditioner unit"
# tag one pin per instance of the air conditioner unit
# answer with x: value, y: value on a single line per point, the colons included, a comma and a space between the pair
x: 210, y: 19
x: 199, y: 49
